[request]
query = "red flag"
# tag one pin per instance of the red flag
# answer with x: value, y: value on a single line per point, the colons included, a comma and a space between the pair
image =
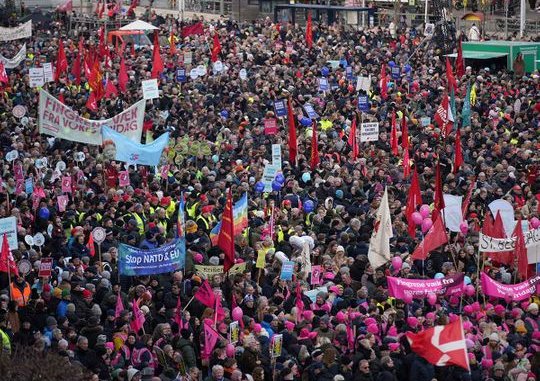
x: 138, y: 318
x: 123, y: 76
x: 61, y: 98
x: 110, y: 89
x: 76, y: 69
x: 435, y: 238
x: 441, y: 345
x: 101, y: 42
x: 521, y: 251
x: 439, y: 198
x: 460, y: 66
x: 61, y: 61
x: 465, y: 206
x: 226, y: 234
x: 96, y: 11
x: 119, y: 305
x: 219, y: 313
x: 90, y: 245
x: 7, y: 263
x: 293, y: 145
x: 195, y: 29
x: 178, y: 314
x: 406, y: 163
x: 91, y: 103
x: 216, y: 48
x: 352, y: 139
x: 383, y: 84
x: 393, y: 136
x: 88, y: 63
x: 66, y: 7
x: 157, y: 62
x: 414, y: 198
x: 210, y: 338
x: 205, y: 295
x: 3, y: 75
x: 496, y: 230
x: 404, y: 133
x: 101, y: 10
x: 444, y: 117
x: 299, y: 302
x: 315, y: 159
x: 458, y: 155
x: 309, y: 31
x: 172, y: 49
x: 452, y: 84
x: 95, y: 81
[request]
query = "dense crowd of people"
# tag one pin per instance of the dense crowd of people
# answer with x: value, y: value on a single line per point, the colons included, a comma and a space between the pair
x: 351, y: 329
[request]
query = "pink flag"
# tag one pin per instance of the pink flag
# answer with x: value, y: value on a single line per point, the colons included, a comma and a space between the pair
x: 220, y: 314
x: 178, y: 314
x: 18, y: 172
x: 316, y: 274
x: 62, y: 203
x: 210, y: 339
x: 138, y: 318
x: 119, y: 304
x: 66, y: 184
x: 206, y: 295
x: 299, y: 302
x: 124, y: 178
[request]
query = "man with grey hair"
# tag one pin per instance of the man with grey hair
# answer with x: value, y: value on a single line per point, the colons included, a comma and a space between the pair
x: 217, y: 374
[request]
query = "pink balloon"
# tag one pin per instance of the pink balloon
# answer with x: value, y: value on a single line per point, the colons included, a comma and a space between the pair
x: 476, y: 306
x: 230, y: 350
x: 468, y: 309
x: 407, y: 298
x: 464, y: 227
x: 535, y: 223
x: 412, y: 321
x: 425, y: 211
x: 508, y: 298
x: 397, y: 262
x: 237, y: 314
x: 417, y: 218
x: 373, y: 328
x: 426, y: 225
x: 432, y: 299
x: 469, y: 290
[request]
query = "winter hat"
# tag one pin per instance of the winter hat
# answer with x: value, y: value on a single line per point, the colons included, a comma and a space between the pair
x: 131, y: 373
x: 412, y: 321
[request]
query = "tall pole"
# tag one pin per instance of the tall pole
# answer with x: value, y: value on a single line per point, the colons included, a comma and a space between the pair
x: 425, y: 12
x: 522, y: 18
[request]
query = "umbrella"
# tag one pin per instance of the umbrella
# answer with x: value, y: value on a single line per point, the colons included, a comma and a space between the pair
x: 139, y: 25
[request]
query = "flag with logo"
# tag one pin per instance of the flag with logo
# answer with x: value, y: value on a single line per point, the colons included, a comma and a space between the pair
x: 379, y: 245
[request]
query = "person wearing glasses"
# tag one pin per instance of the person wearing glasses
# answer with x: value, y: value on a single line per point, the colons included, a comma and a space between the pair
x: 364, y: 373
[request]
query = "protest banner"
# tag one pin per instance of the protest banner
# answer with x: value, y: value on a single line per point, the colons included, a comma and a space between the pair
x: 12, y: 63
x: 277, y: 345
x: 369, y: 132
x: 45, y: 267
x: 419, y: 288
x: 497, y: 245
x: 150, y: 89
x: 516, y: 292
x: 36, y: 77
x: 118, y: 147
x: 167, y: 258
x: 287, y: 269
x: 16, y: 33
x: 208, y: 270
x: 48, y: 73
x: 8, y: 226
x: 323, y: 84
x: 59, y: 120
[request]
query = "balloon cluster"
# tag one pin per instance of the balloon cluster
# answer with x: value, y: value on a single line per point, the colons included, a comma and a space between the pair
x: 535, y: 223
x: 277, y: 184
x: 422, y: 218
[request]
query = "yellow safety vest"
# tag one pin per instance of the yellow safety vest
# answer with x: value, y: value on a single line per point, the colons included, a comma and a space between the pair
x: 140, y: 222
x: 192, y: 210
x: 6, y: 342
x: 171, y: 209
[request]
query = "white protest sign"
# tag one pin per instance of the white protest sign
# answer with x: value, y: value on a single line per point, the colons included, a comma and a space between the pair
x: 8, y: 226
x: 507, y: 214
x: 150, y: 89
x: 48, y: 75
x: 11, y: 63
x: 188, y: 58
x: 36, y: 77
x: 16, y: 33
x: 453, y: 215
x: 218, y: 66
x: 269, y: 174
x: 243, y: 74
x: 201, y: 70
x: 194, y: 74
x: 369, y: 132
x: 363, y: 83
x: 39, y: 239
x: 276, y: 155
x: 99, y: 235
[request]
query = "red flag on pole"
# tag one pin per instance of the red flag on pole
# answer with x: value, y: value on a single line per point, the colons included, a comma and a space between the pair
x: 439, y: 197
x: 96, y: 81
x: 61, y: 98
x: 61, y: 61
x: 442, y: 345
x: 195, y: 29
x: 444, y: 116
x: 293, y: 145
x: 216, y: 48
x: 91, y: 103
x: 172, y: 49
x: 353, y: 143
x: 76, y: 69
x: 383, y: 82
x: 210, y: 338
x: 465, y: 206
x: 110, y: 89
x: 157, y: 62
x: 406, y: 163
x: 452, y: 84
x: 309, y: 31
x: 205, y: 295
x: 123, y: 76
x: 226, y: 234
x: 90, y: 245
x: 414, y: 199
x: 404, y: 133
x: 7, y: 263
x: 119, y: 305
x: 460, y: 66
x: 393, y: 136
x: 178, y: 313
x: 521, y: 251
x: 435, y: 238
x: 315, y: 159
x: 458, y: 155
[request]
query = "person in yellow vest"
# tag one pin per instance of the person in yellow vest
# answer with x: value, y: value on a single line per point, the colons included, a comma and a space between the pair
x: 6, y: 340
x: 162, y: 220
x: 20, y: 291
x: 206, y: 220
x: 138, y: 215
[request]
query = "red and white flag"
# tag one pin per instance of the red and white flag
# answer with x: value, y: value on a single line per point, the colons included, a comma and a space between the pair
x: 444, y: 116
x: 442, y: 345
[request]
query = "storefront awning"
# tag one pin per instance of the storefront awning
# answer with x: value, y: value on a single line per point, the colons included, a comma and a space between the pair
x: 479, y: 55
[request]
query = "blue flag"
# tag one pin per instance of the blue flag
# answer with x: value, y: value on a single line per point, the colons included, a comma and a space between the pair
x: 466, y: 110
x: 116, y: 146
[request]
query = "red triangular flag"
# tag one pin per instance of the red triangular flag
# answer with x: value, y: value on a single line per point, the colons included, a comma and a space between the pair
x: 76, y: 69
x: 414, y: 199
x: 497, y: 231
x: 123, y: 76
x: 101, y: 10
x: 226, y: 234
x: 315, y: 159
x: 460, y: 66
x: 404, y: 133
x: 61, y: 61
x: 444, y: 117
x: 205, y: 295
x: 7, y: 263
x: 216, y: 48
x: 119, y: 305
x: 90, y: 245
x: 91, y: 103
x: 435, y: 238
x: 61, y: 98
x: 406, y: 163
x: 393, y: 136
x: 309, y: 31
x: 157, y: 62
x: 450, y: 76
x: 110, y: 89
x: 442, y: 345
x: 521, y: 251
x: 219, y: 313
x: 210, y: 338
x: 95, y: 81
x: 195, y: 29
x: 172, y: 49
x: 293, y: 145
x: 352, y: 139
x: 458, y: 155
x: 383, y: 83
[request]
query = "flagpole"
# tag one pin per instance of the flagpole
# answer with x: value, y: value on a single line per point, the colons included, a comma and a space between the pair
x: 188, y: 303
